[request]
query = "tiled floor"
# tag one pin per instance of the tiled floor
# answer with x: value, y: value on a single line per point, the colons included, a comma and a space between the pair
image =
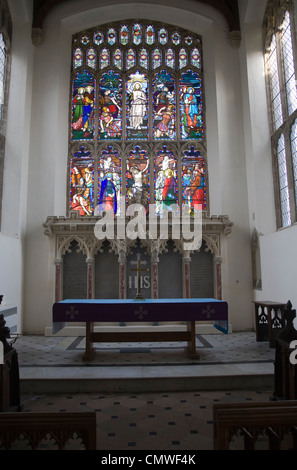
x: 171, y: 419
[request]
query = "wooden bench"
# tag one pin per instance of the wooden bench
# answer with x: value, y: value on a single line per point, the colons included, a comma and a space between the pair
x: 277, y: 420
x: 54, y: 430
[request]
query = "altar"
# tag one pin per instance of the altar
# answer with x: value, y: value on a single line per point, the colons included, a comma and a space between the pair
x: 185, y: 310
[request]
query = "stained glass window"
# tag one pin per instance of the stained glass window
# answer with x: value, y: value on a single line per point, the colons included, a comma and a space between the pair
x: 82, y: 182
x: 137, y: 106
x: 137, y: 101
x: 166, y: 181
x: 164, y: 106
x: 193, y: 180
x: 280, y: 51
x: 109, y: 181
x: 137, y: 177
x: 191, y: 106
x: 83, y: 89
x: 110, y: 109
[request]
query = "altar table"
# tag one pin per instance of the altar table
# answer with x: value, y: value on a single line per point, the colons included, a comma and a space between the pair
x: 189, y: 311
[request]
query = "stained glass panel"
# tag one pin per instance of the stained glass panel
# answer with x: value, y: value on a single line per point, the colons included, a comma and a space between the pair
x: 137, y: 106
x: 137, y: 178
x: 137, y: 34
x: 98, y: 38
x: 109, y: 181
x: 150, y: 35
x: 111, y: 36
x: 157, y: 58
x: 91, y: 58
x: 191, y: 106
x: 166, y: 181
x: 196, y: 58
x: 104, y: 58
x: 130, y: 59
x: 164, y: 106
x: 82, y: 182
x: 77, y: 58
x: 144, y: 58
x: 110, y: 106
x: 193, y: 180
x: 124, y: 35
x: 163, y: 36
x: 118, y: 59
x: 183, y: 58
x: 175, y: 38
x: 170, y: 58
x: 83, y: 88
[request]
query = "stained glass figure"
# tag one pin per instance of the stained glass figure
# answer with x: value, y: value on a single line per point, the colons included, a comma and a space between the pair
x: 166, y: 185
x: 124, y: 35
x: 137, y: 178
x: 118, y: 59
x: 193, y: 181
x: 196, y: 58
x: 109, y: 182
x: 110, y: 106
x: 157, y: 58
x: 130, y: 59
x: 111, y: 36
x: 98, y: 38
x: 137, y: 34
x: 183, y: 58
x: 170, y: 58
x: 163, y: 36
x: 91, y: 58
x: 144, y: 58
x: 137, y: 106
x: 191, y: 118
x: 150, y: 35
x: 164, y: 106
x: 83, y: 88
x: 82, y: 183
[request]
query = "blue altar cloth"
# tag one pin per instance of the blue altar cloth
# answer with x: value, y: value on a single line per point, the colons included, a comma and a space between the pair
x: 148, y: 310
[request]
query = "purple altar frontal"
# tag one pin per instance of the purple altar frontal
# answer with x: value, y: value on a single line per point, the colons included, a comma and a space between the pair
x: 149, y: 310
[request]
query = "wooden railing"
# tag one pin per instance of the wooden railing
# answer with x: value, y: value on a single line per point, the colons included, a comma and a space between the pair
x: 245, y: 425
x: 48, y: 431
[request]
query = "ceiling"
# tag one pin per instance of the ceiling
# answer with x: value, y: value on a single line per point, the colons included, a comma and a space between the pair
x: 228, y: 8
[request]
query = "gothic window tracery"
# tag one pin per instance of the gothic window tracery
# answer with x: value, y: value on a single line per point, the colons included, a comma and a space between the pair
x: 137, y: 100
x: 280, y: 66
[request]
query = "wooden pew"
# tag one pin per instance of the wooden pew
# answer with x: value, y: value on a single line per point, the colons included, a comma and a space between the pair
x: 275, y: 419
x: 58, y: 429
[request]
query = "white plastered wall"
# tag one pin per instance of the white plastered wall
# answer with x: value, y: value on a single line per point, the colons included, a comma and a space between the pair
x: 48, y: 144
x: 14, y: 205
